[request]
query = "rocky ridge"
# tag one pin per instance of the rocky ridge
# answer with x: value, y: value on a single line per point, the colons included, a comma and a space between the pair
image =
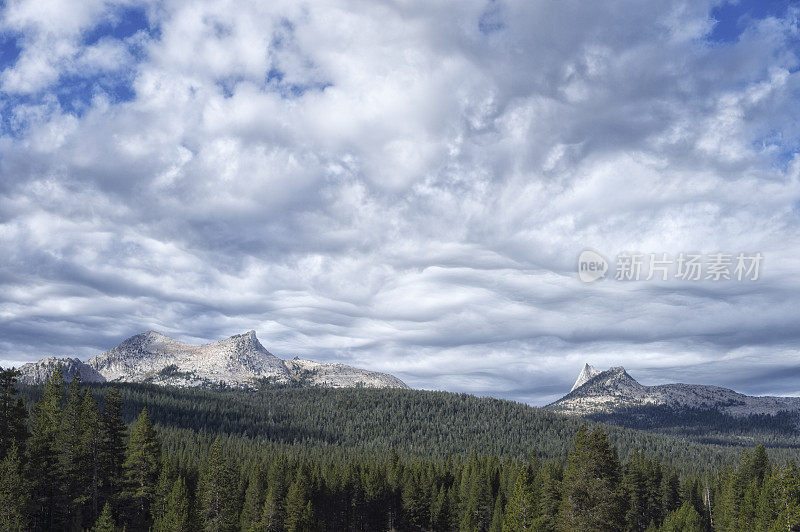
x: 614, y: 390
x: 239, y: 361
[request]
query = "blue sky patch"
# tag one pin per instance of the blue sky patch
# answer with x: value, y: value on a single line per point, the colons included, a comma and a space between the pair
x: 491, y: 20
x: 75, y: 93
x: 9, y: 50
x: 734, y: 17
x: 275, y: 82
x: 121, y: 24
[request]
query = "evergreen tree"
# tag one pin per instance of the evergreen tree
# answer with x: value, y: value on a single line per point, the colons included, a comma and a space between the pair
x: 498, y: 514
x: 176, y: 515
x: 89, y: 457
x: 638, y: 485
x: 441, y: 511
x: 141, y: 466
x: 166, y: 482
x: 523, y: 510
x: 13, y: 414
x: 72, y: 457
x: 254, y: 498
x: 591, y: 499
x: 478, y: 506
x: 726, y: 501
x: 46, y: 488
x: 755, y: 465
x: 767, y: 510
x: 685, y: 519
x: 549, y: 482
x: 105, y: 523
x: 670, y: 496
x: 13, y: 492
x: 218, y: 491
x: 271, y: 520
x: 787, y: 497
x: 299, y: 512
x: 416, y: 505
x: 111, y: 450
x: 377, y: 500
x: 274, y: 510
x: 748, y: 507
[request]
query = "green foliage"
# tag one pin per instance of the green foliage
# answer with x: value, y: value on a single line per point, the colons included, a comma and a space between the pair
x: 13, y: 413
x: 299, y: 511
x: 254, y: 498
x: 685, y: 519
x: 424, y: 423
x: 13, y: 492
x: 105, y: 523
x: 523, y: 510
x: 78, y: 443
x: 703, y: 425
x: 218, y: 491
x: 302, y: 469
x: 46, y: 487
x: 175, y: 516
x: 141, y: 466
x: 88, y: 458
x: 111, y: 448
x: 591, y: 496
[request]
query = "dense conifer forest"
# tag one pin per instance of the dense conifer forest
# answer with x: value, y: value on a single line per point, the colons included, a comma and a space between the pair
x: 138, y: 457
x: 709, y: 426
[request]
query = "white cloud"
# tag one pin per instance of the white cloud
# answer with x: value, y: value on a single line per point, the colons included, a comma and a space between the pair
x: 388, y: 185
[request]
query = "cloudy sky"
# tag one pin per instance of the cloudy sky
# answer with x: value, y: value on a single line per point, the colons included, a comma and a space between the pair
x: 405, y: 186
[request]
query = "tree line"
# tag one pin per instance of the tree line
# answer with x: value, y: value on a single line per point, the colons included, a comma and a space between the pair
x: 68, y: 464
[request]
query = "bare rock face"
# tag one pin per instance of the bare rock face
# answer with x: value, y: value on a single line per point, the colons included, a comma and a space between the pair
x: 38, y: 372
x: 339, y: 375
x: 238, y: 361
x: 614, y: 390
x: 586, y: 373
x: 153, y: 357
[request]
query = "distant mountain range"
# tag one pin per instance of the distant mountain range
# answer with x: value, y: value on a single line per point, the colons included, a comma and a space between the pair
x: 239, y: 361
x: 614, y: 390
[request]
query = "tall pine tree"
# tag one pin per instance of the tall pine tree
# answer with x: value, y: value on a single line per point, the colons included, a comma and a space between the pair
x: 175, y: 517
x: 522, y: 510
x: 13, y: 492
x: 105, y: 523
x: 591, y: 498
x: 89, y: 457
x: 218, y: 491
x: 254, y: 498
x: 111, y: 451
x: 13, y: 414
x: 299, y: 511
x: 71, y: 455
x: 44, y: 471
x: 141, y: 466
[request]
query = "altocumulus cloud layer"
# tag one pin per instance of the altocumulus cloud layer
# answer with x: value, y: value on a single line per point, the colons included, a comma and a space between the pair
x: 404, y: 186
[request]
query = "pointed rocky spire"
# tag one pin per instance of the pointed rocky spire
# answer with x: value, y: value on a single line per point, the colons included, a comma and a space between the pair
x: 586, y: 374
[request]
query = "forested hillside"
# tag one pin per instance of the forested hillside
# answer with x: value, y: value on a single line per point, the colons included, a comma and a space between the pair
x: 416, y: 422
x: 708, y: 425
x: 303, y: 460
